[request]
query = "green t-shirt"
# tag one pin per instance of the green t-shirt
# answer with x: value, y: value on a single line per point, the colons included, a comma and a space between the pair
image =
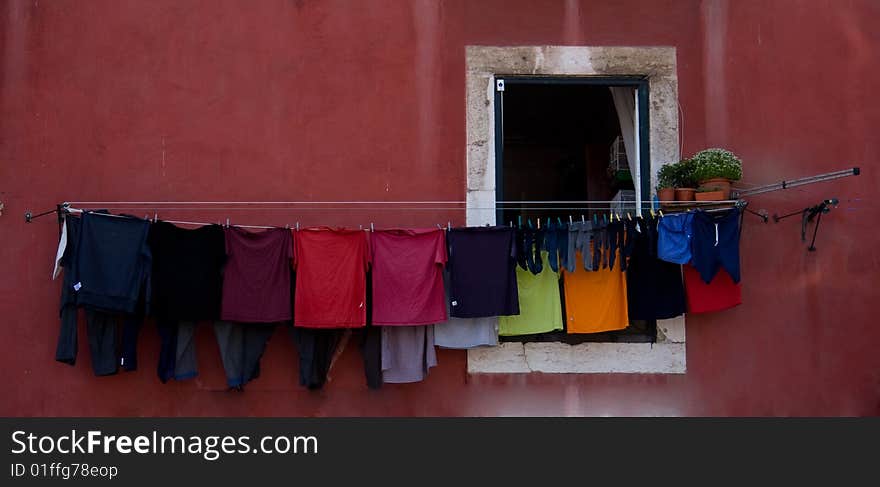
x: 540, y: 308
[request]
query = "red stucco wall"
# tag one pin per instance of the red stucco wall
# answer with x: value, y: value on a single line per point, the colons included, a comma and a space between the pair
x: 299, y: 100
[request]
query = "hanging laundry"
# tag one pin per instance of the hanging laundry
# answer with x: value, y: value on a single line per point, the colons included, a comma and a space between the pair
x: 464, y: 333
x: 654, y: 287
x: 187, y: 273
x: 371, y: 342
x: 718, y: 295
x: 595, y: 301
x: 62, y: 247
x: 187, y: 282
x: 67, y: 346
x: 112, y: 281
x: 256, y: 281
x: 241, y: 348
x: 407, y: 353
x: 529, y: 243
x: 580, y: 245
x: 539, y: 304
x: 715, y: 243
x: 482, y: 272
x: 113, y: 263
x: 556, y: 245
x: 108, y: 350
x: 407, y: 276
x: 316, y: 348
x: 331, y: 266
x: 674, y: 234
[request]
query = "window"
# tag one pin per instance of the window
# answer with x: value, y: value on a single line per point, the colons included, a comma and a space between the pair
x: 652, y: 72
x: 559, y: 139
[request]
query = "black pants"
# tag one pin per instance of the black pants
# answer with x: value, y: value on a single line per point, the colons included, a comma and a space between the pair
x: 107, y: 353
x: 66, y: 349
x: 177, y: 350
x: 316, y: 348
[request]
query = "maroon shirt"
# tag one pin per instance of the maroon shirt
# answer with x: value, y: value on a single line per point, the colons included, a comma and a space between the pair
x: 408, y: 276
x: 256, y: 280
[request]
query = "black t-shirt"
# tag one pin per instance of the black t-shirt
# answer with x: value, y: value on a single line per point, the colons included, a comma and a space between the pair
x: 654, y: 287
x: 482, y: 272
x: 187, y: 271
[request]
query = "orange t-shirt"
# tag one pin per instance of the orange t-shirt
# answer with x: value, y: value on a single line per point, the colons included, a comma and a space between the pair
x: 595, y: 301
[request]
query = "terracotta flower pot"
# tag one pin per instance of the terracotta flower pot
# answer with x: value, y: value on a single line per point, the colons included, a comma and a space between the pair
x: 718, y: 184
x: 684, y: 194
x: 666, y: 194
x: 710, y: 195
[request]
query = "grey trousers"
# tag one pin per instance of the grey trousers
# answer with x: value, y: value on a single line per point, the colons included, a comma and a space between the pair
x: 241, y: 348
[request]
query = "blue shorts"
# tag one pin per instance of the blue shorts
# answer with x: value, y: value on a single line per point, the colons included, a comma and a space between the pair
x: 674, y: 238
x: 715, y: 244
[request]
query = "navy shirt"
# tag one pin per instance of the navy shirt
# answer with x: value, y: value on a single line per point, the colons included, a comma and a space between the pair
x: 112, y: 262
x: 482, y: 272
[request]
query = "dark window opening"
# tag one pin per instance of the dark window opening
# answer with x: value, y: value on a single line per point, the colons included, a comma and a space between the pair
x: 560, y: 140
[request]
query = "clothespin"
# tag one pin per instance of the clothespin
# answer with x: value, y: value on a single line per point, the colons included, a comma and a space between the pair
x: 519, y: 221
x: 287, y: 226
x: 653, y: 215
x: 449, y: 225
x: 360, y: 227
x: 372, y: 229
x: 661, y: 213
x: 582, y: 218
x: 629, y: 216
x: 559, y: 220
x: 539, y: 223
x: 297, y: 226
x: 155, y: 217
x: 605, y: 218
x: 227, y: 223
x: 530, y: 222
x: 595, y: 219
x: 438, y: 226
x: 570, y: 220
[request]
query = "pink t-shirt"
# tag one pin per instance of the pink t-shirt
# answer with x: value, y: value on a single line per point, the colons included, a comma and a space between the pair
x: 408, y: 276
x: 256, y: 279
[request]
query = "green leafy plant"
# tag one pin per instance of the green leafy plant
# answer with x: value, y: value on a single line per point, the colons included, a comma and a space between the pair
x: 666, y: 176
x: 684, y: 174
x: 716, y: 163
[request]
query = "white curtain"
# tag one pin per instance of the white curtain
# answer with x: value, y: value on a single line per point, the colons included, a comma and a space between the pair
x: 628, y: 115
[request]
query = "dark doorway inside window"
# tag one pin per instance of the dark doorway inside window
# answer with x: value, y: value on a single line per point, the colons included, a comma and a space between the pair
x: 557, y: 140
x: 560, y: 140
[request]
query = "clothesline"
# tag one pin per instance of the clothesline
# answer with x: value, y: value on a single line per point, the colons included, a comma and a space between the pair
x: 69, y: 209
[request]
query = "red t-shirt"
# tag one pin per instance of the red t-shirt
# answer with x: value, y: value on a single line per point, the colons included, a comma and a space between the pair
x: 720, y: 294
x: 408, y: 276
x: 331, y: 266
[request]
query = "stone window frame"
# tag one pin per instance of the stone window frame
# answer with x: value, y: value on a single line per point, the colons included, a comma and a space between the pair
x: 658, y: 65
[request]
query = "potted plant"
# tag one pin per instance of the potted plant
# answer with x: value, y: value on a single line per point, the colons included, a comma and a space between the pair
x: 716, y: 168
x: 709, y: 194
x: 666, y: 180
x: 684, y: 178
